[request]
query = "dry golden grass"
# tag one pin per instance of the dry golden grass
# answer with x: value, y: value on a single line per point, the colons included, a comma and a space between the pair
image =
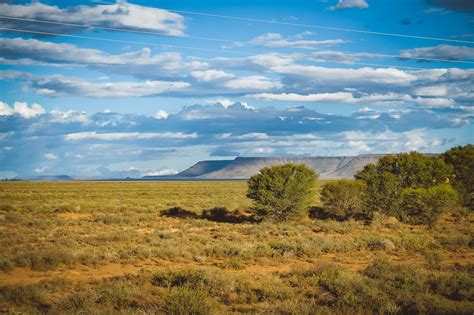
x: 104, y: 247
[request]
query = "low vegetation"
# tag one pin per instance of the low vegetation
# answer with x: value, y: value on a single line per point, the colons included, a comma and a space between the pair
x: 395, y: 241
x: 282, y: 192
x: 343, y: 199
x: 461, y: 159
x: 98, y: 248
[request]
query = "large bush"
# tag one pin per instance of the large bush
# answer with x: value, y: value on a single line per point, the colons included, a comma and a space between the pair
x: 387, y: 179
x: 282, y: 192
x: 424, y: 205
x: 462, y: 160
x: 343, y: 199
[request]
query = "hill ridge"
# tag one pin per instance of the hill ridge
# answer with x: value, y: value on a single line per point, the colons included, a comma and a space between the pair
x: 328, y: 167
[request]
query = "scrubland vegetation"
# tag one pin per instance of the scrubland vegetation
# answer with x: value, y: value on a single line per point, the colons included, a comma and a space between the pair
x: 205, y: 248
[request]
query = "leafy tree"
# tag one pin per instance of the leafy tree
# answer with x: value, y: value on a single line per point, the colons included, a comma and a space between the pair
x: 393, y: 173
x: 343, y: 198
x: 462, y: 161
x: 424, y: 205
x: 414, y: 169
x: 382, y: 190
x: 282, y: 192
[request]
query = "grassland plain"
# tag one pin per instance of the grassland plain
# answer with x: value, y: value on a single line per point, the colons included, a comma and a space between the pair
x: 104, y: 247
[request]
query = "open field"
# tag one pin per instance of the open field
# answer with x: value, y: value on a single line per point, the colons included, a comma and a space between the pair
x: 103, y: 247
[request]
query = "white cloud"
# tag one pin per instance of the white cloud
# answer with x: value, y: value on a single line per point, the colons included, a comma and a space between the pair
x: 128, y: 135
x: 276, y: 40
x: 22, y: 109
x: 69, y: 117
x: 60, y: 86
x: 41, y: 169
x: 211, y: 75
x: 225, y: 102
x: 162, y: 172
x: 161, y: 114
x: 50, y: 156
x: 360, y: 75
x: 349, y: 98
x: 141, y: 63
x: 120, y: 15
x: 436, y: 90
x: 346, y: 4
x: 255, y: 82
x: 440, y: 52
x: 293, y: 97
x: 252, y: 135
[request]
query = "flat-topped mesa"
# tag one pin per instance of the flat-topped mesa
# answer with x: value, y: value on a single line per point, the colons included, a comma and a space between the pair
x: 328, y: 167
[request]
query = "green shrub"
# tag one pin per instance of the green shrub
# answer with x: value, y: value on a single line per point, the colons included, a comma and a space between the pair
x: 185, y: 300
x: 425, y: 205
x: 343, y: 199
x: 22, y: 295
x: 6, y: 264
x: 392, y: 174
x: 282, y: 192
x: 462, y: 160
x: 217, y: 284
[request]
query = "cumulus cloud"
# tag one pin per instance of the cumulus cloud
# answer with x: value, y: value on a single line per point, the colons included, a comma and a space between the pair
x: 356, y: 76
x: 350, y: 98
x: 85, y: 142
x: 347, y: 4
x: 161, y: 114
x: 60, y: 86
x: 276, y: 40
x: 211, y: 75
x: 160, y: 172
x: 50, y: 156
x: 141, y: 63
x: 255, y: 82
x: 121, y: 15
x: 21, y: 109
x: 127, y: 135
x: 226, y: 77
x: 341, y: 57
x: 440, y: 52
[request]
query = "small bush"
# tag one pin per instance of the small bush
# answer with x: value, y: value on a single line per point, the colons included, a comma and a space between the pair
x: 6, y: 265
x: 343, y: 199
x: 282, y: 192
x: 425, y: 205
x: 185, y: 300
x: 22, y: 295
x: 47, y: 259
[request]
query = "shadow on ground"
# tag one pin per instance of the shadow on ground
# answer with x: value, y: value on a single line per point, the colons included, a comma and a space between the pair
x: 217, y: 214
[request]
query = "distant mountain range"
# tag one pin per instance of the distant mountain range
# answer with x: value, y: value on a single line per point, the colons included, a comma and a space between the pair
x: 328, y: 167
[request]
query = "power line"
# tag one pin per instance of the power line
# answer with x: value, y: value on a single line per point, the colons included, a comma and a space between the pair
x: 231, y: 41
x: 189, y: 47
x: 114, y: 29
x: 311, y: 26
x: 122, y: 41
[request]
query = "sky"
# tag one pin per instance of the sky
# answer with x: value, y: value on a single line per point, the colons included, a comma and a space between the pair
x: 131, y: 88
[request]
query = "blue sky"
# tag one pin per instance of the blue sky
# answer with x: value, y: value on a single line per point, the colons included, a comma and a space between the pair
x: 105, y: 89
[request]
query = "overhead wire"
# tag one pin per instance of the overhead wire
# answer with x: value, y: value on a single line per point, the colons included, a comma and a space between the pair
x: 305, y: 25
x: 352, y: 53
x: 186, y: 47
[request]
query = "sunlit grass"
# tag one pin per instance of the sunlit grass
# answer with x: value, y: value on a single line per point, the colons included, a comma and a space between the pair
x: 68, y: 234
